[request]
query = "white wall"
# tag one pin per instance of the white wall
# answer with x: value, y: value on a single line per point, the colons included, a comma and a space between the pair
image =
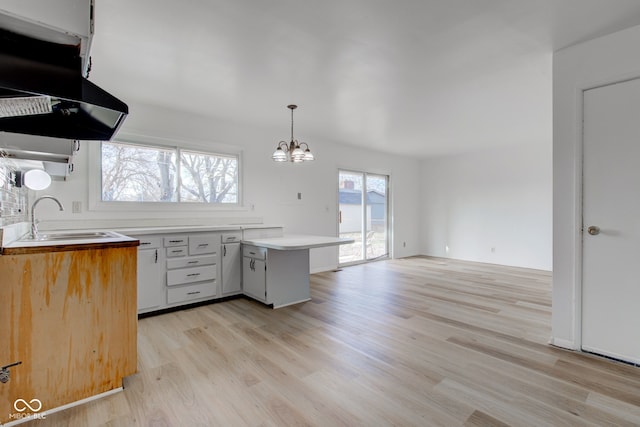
x: 604, y: 60
x: 269, y: 187
x: 498, y: 199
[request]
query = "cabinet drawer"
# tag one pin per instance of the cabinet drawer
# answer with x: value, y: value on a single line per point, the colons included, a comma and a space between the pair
x: 231, y: 237
x: 191, y: 292
x: 148, y: 242
x: 191, y: 261
x: 177, y: 240
x: 176, y: 251
x: 203, y: 244
x: 254, y: 252
x: 189, y: 275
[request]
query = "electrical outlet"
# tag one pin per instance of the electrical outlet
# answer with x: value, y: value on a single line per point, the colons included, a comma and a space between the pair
x: 76, y: 207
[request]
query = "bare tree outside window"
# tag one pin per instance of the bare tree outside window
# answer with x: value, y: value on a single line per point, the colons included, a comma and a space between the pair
x: 140, y: 173
x: 208, y: 178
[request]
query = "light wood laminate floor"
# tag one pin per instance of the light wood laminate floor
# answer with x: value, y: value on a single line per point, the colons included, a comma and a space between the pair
x: 410, y: 342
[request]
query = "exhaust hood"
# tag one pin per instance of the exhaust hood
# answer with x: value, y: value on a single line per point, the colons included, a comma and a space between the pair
x: 43, y: 92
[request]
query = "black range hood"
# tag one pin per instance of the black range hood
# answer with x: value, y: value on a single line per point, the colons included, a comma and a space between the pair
x: 51, y: 73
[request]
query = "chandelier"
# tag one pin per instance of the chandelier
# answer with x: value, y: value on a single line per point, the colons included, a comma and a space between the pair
x: 292, y: 151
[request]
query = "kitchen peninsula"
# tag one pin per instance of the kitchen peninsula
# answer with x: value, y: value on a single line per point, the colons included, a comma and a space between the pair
x: 275, y: 270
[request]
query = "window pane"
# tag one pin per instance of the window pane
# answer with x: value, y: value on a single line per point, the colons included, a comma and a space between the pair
x: 376, y: 216
x: 133, y: 173
x: 351, y: 215
x: 208, y: 178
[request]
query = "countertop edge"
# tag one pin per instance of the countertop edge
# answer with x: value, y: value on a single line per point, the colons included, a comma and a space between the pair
x: 24, y: 250
x: 296, y: 242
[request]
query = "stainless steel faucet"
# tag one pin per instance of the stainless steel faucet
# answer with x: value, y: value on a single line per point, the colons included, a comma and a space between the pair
x: 34, y: 224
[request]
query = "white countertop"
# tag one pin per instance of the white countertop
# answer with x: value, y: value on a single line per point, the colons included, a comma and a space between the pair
x: 13, y: 235
x: 297, y: 241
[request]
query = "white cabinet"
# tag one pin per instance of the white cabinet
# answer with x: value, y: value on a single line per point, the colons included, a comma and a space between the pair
x: 191, y: 274
x: 67, y: 16
x: 191, y: 261
x: 276, y: 277
x: 176, y: 240
x: 61, y: 21
x: 192, y: 267
x: 254, y: 272
x: 203, y: 244
x: 150, y: 274
x: 176, y: 269
x: 231, y: 263
x: 186, y: 294
x: 177, y: 251
x: 56, y: 149
x: 56, y: 154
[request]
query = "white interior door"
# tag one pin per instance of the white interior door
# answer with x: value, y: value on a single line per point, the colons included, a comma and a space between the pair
x: 611, y: 221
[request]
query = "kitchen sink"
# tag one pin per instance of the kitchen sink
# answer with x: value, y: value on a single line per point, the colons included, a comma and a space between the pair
x: 82, y: 235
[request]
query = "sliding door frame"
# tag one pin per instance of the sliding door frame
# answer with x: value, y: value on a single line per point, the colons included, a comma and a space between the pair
x: 364, y: 204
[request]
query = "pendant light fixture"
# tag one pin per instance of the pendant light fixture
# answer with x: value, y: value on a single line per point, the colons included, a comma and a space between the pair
x: 292, y: 151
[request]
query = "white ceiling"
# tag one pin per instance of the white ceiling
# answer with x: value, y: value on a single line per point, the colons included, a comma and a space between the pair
x: 420, y: 77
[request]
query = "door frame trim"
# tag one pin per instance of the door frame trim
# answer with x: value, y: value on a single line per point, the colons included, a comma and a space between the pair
x: 390, y: 224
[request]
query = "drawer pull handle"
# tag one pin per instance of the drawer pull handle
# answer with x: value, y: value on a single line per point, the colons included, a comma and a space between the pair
x: 252, y: 253
x: 176, y: 241
x: 177, y: 251
x: 203, y: 245
x: 193, y: 262
x: 144, y: 243
x: 193, y: 293
x: 193, y: 274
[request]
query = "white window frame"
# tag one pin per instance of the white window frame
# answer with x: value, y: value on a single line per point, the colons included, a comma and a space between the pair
x: 95, y: 176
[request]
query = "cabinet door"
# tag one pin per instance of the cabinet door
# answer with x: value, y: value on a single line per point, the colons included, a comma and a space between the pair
x: 77, y: 342
x: 231, y: 268
x: 150, y: 279
x: 254, y: 278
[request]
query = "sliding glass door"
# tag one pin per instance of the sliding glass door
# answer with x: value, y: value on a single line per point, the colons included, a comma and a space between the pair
x: 363, y: 216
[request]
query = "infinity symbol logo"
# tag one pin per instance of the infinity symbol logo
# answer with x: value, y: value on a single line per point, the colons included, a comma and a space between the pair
x: 26, y: 405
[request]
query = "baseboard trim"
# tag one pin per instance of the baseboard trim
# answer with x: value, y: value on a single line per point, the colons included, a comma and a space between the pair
x: 562, y: 343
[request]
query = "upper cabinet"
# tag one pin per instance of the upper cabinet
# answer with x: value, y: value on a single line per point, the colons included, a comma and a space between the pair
x: 55, y: 154
x: 37, y: 147
x: 60, y: 21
